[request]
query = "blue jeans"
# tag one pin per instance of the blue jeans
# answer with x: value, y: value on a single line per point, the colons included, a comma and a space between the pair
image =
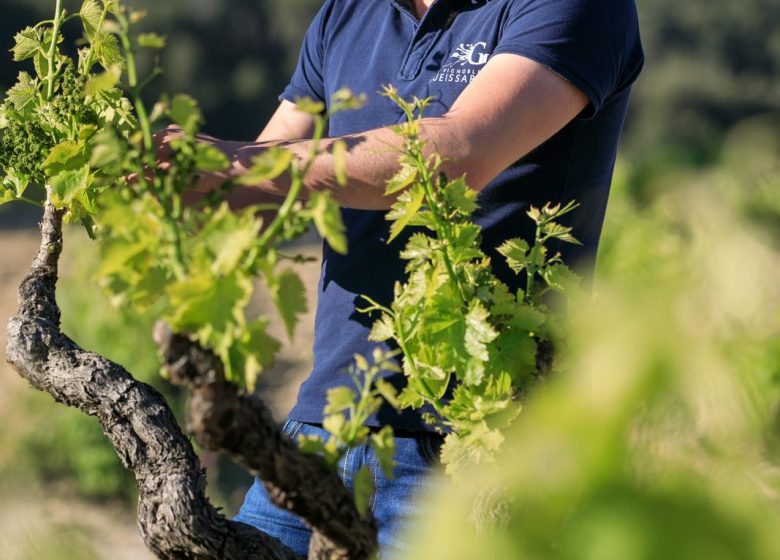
x: 393, y: 505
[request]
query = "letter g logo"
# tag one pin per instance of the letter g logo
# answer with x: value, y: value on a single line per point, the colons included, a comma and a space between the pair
x: 478, y: 56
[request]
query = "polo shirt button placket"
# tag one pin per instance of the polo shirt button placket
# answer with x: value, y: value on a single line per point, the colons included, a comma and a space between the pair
x: 426, y: 34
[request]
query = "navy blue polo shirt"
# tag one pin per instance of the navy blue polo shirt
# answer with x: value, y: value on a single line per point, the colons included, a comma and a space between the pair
x: 363, y: 44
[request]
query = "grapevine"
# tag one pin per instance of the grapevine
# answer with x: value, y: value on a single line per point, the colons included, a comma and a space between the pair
x: 81, y: 127
x: 471, y: 347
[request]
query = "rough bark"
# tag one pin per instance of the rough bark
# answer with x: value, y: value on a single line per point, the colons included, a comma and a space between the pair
x: 175, y: 518
x: 223, y: 418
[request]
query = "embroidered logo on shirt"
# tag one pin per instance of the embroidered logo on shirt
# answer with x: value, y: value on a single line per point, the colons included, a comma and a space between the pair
x: 464, y: 63
x: 469, y: 53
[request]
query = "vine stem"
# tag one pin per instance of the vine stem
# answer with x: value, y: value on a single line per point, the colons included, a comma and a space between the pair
x: 88, y: 60
x: 52, y: 48
x: 442, y: 229
x: 531, y: 268
x: 296, y: 186
x: 132, y: 81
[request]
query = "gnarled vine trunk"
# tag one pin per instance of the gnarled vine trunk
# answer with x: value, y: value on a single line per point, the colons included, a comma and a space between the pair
x: 175, y: 517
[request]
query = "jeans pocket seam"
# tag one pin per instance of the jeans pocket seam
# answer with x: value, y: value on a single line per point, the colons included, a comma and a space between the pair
x: 375, y: 467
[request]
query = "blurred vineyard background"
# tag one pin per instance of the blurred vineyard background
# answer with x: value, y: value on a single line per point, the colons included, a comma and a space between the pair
x: 665, y: 439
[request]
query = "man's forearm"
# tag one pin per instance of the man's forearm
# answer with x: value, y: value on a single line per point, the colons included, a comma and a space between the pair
x: 371, y: 160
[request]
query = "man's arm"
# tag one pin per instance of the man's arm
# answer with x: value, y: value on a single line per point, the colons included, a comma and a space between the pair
x: 512, y: 106
x: 286, y: 124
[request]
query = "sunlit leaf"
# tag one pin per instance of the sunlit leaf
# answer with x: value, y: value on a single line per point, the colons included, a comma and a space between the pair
x: 69, y: 185
x: 67, y: 155
x: 267, y: 166
x: 184, y: 111
x: 363, y: 488
x: 90, y: 14
x: 23, y: 95
x: 339, y: 153
x: 339, y: 399
x: 289, y: 295
x: 516, y: 253
x: 151, y: 41
x: 209, y: 158
x: 383, y: 445
x: 103, y: 81
x: 26, y: 43
x: 402, y: 179
x: 404, y: 209
x: 382, y: 329
x: 326, y: 214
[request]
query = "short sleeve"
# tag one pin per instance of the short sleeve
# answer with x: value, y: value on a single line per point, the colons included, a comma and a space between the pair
x: 594, y: 44
x: 307, y: 79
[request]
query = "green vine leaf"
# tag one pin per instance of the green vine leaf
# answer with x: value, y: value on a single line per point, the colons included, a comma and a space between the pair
x: 267, y: 166
x: 516, y: 253
x: 26, y: 44
x: 69, y: 185
x: 24, y: 94
x: 326, y: 214
x: 363, y: 484
x: 289, y: 296
x: 91, y: 14
x: 404, y: 209
x: 151, y: 41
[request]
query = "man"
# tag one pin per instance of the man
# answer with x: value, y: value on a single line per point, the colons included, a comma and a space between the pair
x: 530, y: 100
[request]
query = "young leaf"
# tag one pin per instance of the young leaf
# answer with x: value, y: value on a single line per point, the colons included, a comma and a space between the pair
x: 91, y: 14
x: 418, y: 247
x: 560, y: 278
x: 289, y: 295
x: 339, y: 399
x: 107, y: 50
x: 23, y: 94
x: 104, y: 81
x: 310, y: 106
x: 184, y: 112
x: 68, y: 186
x: 253, y: 352
x: 383, y: 445
x: 557, y: 231
x: 326, y: 215
x: 460, y: 196
x: 479, y: 332
x: 210, y: 158
x: 205, y: 304
x: 26, y: 43
x: 516, y: 253
x: 363, y: 484
x: 267, y: 166
x: 106, y: 149
x: 404, y: 209
x: 64, y: 156
x: 382, y: 329
x: 151, y: 41
x: 339, y: 152
x: 402, y: 179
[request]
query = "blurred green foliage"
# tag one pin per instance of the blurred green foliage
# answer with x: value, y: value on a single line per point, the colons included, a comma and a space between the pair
x: 662, y: 440
x: 709, y: 64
